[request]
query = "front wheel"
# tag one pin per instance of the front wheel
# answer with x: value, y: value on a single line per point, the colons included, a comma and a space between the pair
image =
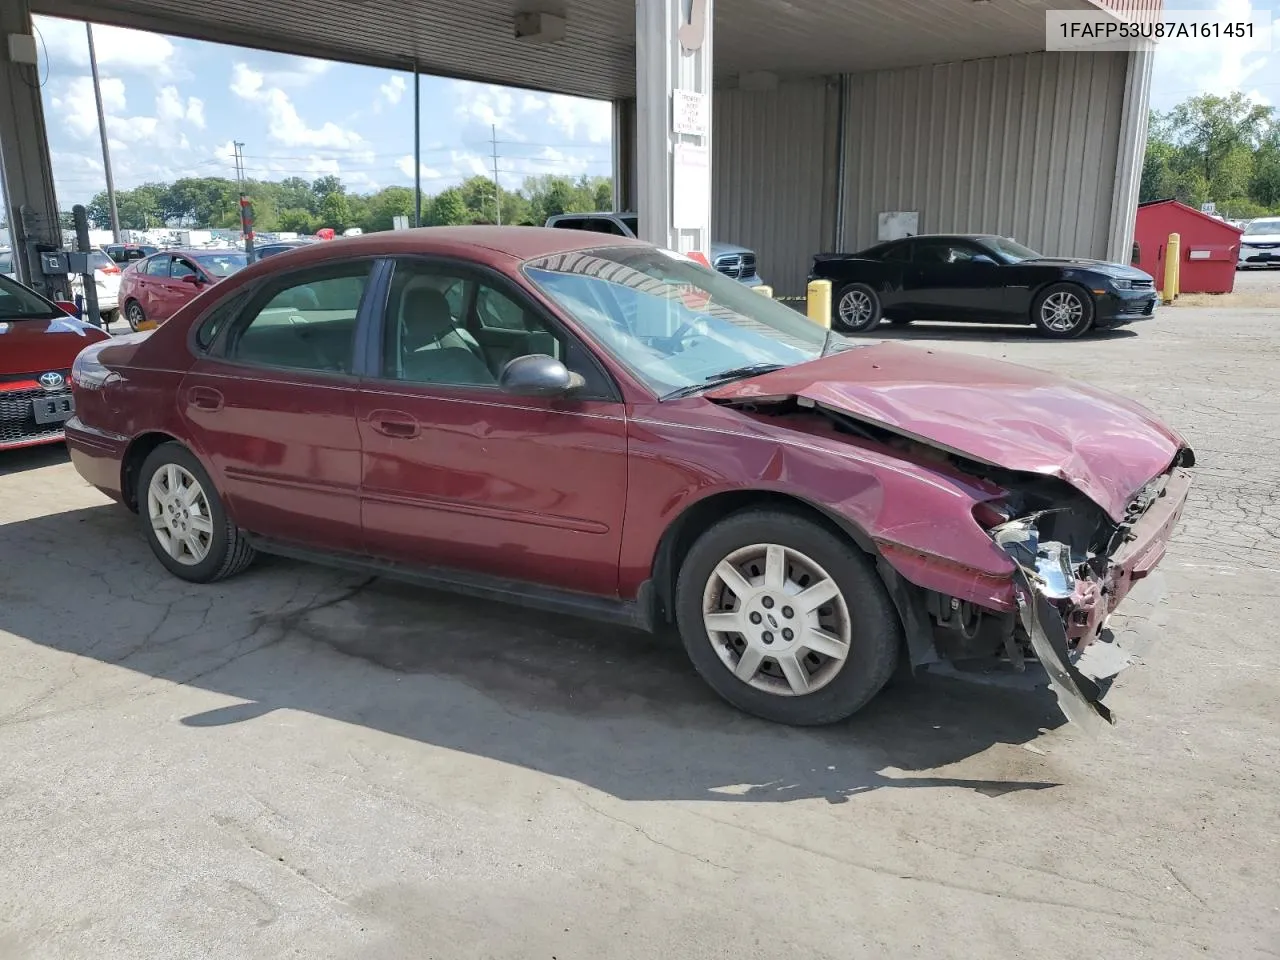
x: 785, y: 619
x: 183, y: 518
x: 857, y: 309
x: 133, y: 314
x: 1062, y: 311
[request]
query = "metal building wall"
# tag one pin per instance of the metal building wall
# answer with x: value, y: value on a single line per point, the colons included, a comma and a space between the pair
x: 1023, y: 146
x: 773, y: 175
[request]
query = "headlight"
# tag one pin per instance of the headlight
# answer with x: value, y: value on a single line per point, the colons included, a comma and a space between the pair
x: 1121, y: 284
x: 1048, y: 562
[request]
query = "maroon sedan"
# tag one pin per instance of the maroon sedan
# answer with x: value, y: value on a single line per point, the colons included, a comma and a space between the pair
x: 154, y: 289
x: 39, y: 339
x: 599, y: 427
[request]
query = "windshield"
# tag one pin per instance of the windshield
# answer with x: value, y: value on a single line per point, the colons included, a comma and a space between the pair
x: 674, y: 323
x: 1262, y: 227
x: 1011, y: 250
x: 222, y: 264
x: 19, y: 303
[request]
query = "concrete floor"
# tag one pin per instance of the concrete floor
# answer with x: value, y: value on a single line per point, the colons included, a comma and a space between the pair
x: 298, y: 763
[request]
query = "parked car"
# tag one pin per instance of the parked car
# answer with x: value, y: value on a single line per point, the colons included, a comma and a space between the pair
x: 981, y: 279
x: 1260, y: 244
x: 106, y: 277
x: 39, y: 339
x: 733, y: 261
x: 527, y: 415
x: 129, y: 252
x: 280, y: 246
x: 152, y: 290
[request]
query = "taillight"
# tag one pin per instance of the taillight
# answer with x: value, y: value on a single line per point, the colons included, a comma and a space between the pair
x: 111, y: 269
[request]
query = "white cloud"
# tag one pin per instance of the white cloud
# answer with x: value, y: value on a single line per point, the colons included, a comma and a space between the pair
x: 488, y: 105
x: 393, y: 89
x: 171, y: 109
x: 284, y: 125
x: 117, y: 48
x: 405, y: 164
x: 1185, y: 68
x: 78, y: 110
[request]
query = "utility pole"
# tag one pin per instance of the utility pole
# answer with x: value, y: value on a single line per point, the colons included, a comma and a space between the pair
x: 417, y: 148
x: 246, y: 207
x: 497, y: 190
x: 102, y: 129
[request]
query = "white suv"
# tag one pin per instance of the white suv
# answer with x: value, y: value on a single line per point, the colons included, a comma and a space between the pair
x: 1260, y: 245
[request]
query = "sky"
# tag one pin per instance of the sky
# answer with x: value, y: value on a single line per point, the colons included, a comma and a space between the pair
x: 174, y: 106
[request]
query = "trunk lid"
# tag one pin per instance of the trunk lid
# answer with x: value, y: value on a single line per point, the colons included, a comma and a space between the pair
x: 1002, y: 414
x: 37, y: 346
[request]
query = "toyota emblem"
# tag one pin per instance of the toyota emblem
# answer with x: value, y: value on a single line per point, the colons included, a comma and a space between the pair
x: 52, y: 380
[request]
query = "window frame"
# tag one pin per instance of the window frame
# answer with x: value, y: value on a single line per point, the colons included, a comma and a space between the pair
x: 256, y: 295
x: 153, y: 260
x: 195, y: 268
x: 479, y: 273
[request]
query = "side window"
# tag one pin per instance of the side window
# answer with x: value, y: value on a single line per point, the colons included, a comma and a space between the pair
x: 304, y: 322
x: 449, y: 326
x: 899, y: 253
x: 158, y: 267
x: 181, y: 268
x: 943, y: 253
x: 216, y: 321
x: 577, y: 223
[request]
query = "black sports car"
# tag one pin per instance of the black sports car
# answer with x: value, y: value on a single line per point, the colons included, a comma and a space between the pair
x: 980, y: 279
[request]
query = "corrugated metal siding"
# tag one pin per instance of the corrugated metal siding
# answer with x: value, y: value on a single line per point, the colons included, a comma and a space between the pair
x: 773, y: 158
x: 1023, y: 146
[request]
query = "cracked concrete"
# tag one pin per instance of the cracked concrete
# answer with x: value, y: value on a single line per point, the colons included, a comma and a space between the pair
x: 301, y: 762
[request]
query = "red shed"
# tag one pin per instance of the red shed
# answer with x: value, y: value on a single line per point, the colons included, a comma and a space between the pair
x: 1209, y: 246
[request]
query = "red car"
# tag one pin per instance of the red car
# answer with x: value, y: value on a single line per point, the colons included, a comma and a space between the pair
x: 154, y: 289
x: 38, y: 341
x: 599, y: 427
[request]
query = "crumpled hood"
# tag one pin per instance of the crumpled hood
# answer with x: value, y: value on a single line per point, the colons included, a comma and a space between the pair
x: 1002, y: 414
x: 37, y: 346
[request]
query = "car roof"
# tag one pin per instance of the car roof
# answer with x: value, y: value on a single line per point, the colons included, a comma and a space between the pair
x: 483, y: 243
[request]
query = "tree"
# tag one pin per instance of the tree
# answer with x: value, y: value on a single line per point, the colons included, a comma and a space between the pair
x: 327, y: 185
x: 294, y: 193
x: 1213, y: 127
x: 297, y: 221
x: 384, y: 206
x: 334, y: 211
x: 448, y: 208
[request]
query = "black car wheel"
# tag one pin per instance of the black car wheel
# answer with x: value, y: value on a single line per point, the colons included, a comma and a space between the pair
x: 133, y: 314
x: 1062, y: 311
x: 183, y: 518
x: 786, y: 619
x: 857, y: 309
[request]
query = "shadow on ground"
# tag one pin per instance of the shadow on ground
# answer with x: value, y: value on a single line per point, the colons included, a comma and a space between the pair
x: 618, y: 710
x: 32, y: 458
x: 985, y: 333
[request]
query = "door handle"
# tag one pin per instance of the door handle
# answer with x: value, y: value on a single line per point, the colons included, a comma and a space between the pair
x: 204, y: 398
x: 399, y: 426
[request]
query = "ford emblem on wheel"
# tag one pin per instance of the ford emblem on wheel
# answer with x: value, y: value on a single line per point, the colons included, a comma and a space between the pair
x: 52, y: 380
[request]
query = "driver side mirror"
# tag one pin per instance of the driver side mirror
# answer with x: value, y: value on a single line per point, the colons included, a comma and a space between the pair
x: 194, y: 279
x: 539, y: 375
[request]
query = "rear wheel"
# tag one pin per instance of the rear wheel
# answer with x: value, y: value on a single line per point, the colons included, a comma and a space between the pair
x: 785, y: 619
x: 857, y: 309
x: 183, y: 518
x: 133, y: 314
x: 1062, y: 311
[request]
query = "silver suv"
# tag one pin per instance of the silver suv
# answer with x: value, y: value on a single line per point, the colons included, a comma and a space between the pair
x: 732, y: 261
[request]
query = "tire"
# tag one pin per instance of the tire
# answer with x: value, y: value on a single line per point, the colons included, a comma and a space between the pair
x: 1062, y: 311
x: 227, y: 552
x: 133, y: 314
x: 860, y: 613
x: 857, y: 309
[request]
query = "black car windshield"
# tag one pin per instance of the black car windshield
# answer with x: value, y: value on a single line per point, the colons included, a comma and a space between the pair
x: 222, y: 264
x: 1011, y: 250
x: 19, y: 303
x: 1258, y: 227
x: 673, y: 322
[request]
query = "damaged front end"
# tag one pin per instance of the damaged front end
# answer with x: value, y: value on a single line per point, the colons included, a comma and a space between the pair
x: 1073, y: 567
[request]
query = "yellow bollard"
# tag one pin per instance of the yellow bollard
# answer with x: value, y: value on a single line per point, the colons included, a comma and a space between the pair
x: 764, y: 291
x: 1172, y: 265
x: 819, y: 302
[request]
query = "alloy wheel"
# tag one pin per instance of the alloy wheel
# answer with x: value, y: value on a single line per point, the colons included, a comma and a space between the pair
x: 1061, y: 312
x: 855, y: 309
x: 180, y: 516
x: 133, y: 314
x: 776, y: 619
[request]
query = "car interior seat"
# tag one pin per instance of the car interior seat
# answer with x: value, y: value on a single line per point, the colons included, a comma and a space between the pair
x: 432, y: 347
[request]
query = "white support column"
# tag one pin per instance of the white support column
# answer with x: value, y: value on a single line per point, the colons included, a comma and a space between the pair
x: 1132, y: 149
x: 24, y: 155
x: 673, y: 92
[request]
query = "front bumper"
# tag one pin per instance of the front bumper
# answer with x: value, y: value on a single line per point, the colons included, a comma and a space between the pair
x: 1258, y: 257
x: 1065, y: 630
x: 1124, y: 306
x: 19, y: 425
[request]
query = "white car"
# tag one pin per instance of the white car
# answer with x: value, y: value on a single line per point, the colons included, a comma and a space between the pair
x: 7, y: 266
x: 1260, y: 245
x: 106, y: 275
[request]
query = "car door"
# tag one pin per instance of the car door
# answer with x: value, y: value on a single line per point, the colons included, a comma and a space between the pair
x: 271, y: 403
x: 145, y: 277
x: 950, y: 284
x: 458, y: 474
x: 894, y: 288
x: 185, y: 280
